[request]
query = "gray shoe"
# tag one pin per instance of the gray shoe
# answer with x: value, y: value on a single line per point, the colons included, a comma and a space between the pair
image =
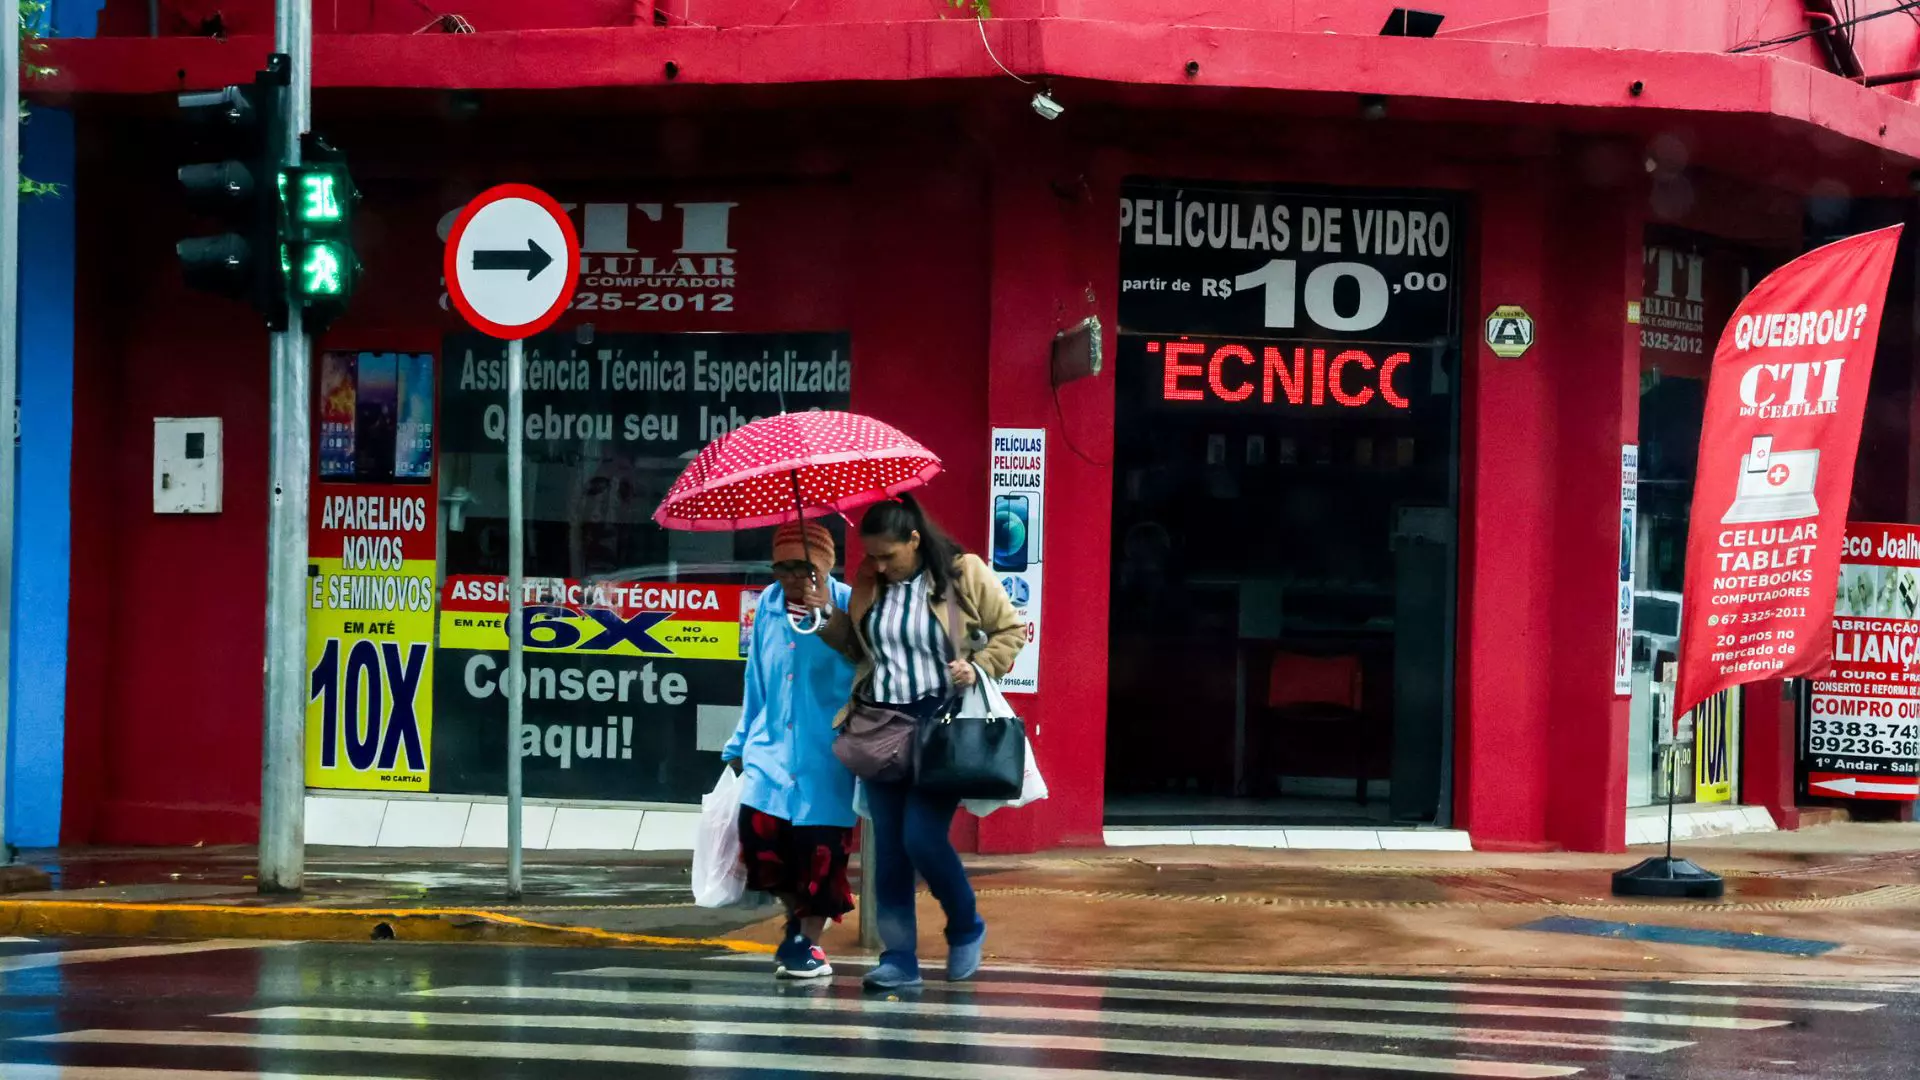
x: 889, y: 977
x: 963, y: 961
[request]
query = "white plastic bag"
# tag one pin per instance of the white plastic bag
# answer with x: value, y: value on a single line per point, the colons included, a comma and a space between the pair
x: 719, y: 877
x: 984, y: 698
x: 1033, y: 788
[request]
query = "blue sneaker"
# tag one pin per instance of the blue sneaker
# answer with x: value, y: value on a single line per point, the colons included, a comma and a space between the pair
x: 889, y: 977
x: 963, y: 961
x: 799, y: 958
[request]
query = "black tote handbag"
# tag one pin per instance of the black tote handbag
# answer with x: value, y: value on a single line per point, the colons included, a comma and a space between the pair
x: 969, y: 757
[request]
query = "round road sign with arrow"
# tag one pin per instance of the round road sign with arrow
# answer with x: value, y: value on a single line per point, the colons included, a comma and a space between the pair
x: 512, y: 261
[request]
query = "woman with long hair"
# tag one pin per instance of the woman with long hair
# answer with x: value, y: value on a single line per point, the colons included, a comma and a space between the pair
x: 896, y: 630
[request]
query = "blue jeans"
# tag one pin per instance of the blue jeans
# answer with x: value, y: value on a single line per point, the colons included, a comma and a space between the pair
x: 910, y: 833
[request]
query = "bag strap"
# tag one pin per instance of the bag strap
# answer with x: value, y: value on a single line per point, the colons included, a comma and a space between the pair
x: 955, y: 695
x: 953, y: 620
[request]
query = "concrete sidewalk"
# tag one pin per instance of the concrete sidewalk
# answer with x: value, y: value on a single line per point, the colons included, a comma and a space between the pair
x: 1839, y: 901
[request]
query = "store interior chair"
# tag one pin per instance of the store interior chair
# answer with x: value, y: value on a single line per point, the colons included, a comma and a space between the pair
x: 1320, y: 696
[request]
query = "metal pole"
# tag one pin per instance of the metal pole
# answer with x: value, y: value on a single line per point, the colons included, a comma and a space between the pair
x: 9, y: 368
x: 516, y: 600
x: 869, y: 914
x: 284, y: 744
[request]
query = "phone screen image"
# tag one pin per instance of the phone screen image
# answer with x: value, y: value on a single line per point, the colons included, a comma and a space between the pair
x: 1010, y: 533
x: 413, y: 443
x: 337, y: 407
x: 376, y: 417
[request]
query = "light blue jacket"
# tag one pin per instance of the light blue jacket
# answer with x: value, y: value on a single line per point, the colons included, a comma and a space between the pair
x: 796, y: 684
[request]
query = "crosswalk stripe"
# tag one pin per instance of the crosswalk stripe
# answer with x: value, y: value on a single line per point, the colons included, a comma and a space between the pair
x: 1799, y: 983
x: 947, y: 1010
x: 995, y: 1040
x: 733, y: 1060
x: 28, y: 961
x: 1516, y: 989
x: 1270, y: 1001
x: 139, y: 1073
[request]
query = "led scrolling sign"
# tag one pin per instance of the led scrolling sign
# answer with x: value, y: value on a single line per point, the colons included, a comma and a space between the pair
x: 1306, y: 376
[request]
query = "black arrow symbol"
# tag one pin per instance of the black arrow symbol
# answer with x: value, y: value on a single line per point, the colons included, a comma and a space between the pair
x: 533, y: 260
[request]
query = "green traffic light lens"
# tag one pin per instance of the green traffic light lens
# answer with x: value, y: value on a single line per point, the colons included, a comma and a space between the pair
x: 322, y: 271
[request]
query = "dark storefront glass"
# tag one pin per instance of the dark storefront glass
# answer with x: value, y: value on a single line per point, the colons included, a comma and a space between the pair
x: 1690, y: 286
x: 633, y: 660
x: 1284, y: 505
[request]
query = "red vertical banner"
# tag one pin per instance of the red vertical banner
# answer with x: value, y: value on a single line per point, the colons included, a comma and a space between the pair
x: 1777, y: 446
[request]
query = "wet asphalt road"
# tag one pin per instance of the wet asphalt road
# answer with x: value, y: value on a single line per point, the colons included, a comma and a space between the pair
x: 119, y: 1010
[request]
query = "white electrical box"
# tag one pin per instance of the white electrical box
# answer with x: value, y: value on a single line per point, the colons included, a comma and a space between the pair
x: 186, y: 465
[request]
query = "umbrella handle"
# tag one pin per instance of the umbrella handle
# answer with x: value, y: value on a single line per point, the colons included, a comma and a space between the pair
x: 800, y: 624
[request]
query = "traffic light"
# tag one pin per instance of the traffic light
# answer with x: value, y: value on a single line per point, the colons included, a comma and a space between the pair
x: 246, y: 126
x: 319, y: 197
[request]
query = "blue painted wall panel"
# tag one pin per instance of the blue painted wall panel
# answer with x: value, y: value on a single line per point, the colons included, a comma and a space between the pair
x: 43, y: 519
x: 37, y: 735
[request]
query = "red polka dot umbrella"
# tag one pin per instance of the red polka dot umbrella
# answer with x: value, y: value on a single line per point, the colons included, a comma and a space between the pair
x: 781, y: 468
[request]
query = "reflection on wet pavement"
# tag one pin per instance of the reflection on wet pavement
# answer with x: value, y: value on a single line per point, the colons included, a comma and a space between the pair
x: 233, y: 1011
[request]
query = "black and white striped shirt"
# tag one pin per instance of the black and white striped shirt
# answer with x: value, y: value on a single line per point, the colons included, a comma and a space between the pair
x: 910, y: 647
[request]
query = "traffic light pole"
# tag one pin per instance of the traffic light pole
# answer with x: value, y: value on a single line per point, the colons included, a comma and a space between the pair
x: 283, y: 767
x: 9, y: 369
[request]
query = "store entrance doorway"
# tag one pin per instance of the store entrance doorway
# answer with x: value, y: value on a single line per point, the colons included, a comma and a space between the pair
x: 1282, y: 609
x: 1284, y: 507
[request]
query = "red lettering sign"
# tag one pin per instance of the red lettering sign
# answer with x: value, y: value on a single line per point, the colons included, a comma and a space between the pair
x: 1299, y: 375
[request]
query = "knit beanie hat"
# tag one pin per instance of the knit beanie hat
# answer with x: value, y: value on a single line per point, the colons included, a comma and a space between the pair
x: 805, y: 542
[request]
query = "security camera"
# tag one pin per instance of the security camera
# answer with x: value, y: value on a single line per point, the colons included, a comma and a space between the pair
x: 1048, y: 108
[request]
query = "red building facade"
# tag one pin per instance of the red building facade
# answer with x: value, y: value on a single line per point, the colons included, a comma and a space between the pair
x: 883, y: 185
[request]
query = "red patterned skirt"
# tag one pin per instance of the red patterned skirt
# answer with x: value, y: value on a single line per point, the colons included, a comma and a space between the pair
x: 805, y: 862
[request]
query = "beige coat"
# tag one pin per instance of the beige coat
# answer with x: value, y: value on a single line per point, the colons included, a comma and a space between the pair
x: 985, y: 611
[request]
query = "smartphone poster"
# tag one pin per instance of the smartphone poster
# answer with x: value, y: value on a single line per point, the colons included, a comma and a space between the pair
x: 1018, y: 532
x: 413, y: 451
x: 1011, y: 517
x: 337, y: 408
x: 376, y: 417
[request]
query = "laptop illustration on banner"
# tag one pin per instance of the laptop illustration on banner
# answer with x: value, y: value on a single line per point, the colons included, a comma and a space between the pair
x: 1774, y: 485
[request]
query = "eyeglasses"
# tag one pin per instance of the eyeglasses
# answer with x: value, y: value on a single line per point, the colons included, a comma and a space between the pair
x: 793, y: 569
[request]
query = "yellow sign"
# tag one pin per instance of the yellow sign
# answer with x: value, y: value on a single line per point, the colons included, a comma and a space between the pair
x: 597, y: 632
x: 1509, y: 331
x: 370, y: 676
x: 1713, y: 732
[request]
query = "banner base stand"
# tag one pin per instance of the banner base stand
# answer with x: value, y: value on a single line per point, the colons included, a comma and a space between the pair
x: 1667, y: 876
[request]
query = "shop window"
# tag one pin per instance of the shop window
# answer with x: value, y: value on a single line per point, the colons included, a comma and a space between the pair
x: 634, y: 650
x: 1690, y: 286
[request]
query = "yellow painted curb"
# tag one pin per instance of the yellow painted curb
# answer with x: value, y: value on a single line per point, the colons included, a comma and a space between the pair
x: 79, y: 918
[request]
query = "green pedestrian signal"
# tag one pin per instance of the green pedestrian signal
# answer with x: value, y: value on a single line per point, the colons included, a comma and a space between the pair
x: 317, y: 198
x: 322, y: 271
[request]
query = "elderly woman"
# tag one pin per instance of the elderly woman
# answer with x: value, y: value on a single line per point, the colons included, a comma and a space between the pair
x: 796, y: 812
